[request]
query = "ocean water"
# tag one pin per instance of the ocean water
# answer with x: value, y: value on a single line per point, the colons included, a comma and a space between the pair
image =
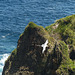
x: 16, y: 14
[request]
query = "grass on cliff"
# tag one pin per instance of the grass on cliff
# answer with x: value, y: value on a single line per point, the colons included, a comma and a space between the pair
x: 36, y: 28
x: 66, y: 62
x: 66, y: 29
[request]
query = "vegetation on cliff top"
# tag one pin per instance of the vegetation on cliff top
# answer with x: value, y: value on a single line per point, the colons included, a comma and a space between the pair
x: 64, y: 27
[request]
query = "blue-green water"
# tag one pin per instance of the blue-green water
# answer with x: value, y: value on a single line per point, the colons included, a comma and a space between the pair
x: 16, y: 14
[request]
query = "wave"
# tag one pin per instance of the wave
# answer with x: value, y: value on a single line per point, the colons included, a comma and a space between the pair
x: 5, y: 35
x: 3, y: 58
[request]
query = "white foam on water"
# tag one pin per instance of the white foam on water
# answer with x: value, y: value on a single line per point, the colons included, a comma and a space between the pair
x: 3, y: 57
x: 3, y: 36
x: 0, y: 73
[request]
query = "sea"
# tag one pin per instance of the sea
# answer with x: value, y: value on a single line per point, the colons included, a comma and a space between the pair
x: 16, y: 14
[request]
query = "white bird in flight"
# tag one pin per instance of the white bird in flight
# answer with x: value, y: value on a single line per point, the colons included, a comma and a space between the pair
x: 44, y: 46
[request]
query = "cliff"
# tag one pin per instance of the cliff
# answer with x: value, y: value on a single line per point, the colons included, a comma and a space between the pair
x: 44, y: 51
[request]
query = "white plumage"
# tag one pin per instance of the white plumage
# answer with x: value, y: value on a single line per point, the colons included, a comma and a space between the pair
x: 44, y: 46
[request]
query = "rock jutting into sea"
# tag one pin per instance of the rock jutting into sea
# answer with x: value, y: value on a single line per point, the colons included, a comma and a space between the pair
x: 44, y: 51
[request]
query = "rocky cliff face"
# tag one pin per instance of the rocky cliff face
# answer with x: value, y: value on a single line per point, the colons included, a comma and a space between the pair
x: 35, y: 56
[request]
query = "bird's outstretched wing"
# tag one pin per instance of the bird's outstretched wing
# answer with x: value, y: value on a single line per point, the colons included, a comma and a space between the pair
x: 46, y: 42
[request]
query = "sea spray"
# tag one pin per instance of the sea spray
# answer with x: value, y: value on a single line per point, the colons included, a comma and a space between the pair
x: 3, y: 57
